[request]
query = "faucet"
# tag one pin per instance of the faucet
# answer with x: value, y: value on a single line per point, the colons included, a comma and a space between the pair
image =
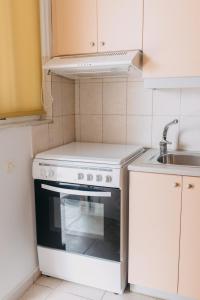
x: 164, y: 142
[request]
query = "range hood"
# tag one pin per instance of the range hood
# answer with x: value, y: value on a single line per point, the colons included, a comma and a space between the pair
x: 101, y: 64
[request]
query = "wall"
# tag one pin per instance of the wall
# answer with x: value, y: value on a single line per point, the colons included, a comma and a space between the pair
x: 59, y: 100
x: 122, y: 111
x: 18, y: 258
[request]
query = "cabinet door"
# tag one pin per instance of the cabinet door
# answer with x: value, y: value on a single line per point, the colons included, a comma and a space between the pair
x: 189, y: 284
x: 171, y: 38
x: 74, y: 25
x: 154, y: 230
x: 120, y: 24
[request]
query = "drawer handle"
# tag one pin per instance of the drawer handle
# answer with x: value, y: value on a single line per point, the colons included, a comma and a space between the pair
x: 190, y: 186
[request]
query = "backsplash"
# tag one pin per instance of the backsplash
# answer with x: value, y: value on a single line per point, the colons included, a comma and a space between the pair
x: 117, y: 110
x: 122, y: 111
x: 62, y: 130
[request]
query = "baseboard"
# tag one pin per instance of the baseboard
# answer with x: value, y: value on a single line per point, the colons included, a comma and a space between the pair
x: 156, y: 293
x: 19, y: 290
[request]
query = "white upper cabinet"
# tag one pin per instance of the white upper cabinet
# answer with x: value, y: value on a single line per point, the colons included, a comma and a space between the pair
x: 119, y: 25
x: 171, y: 38
x: 89, y: 26
x: 74, y: 26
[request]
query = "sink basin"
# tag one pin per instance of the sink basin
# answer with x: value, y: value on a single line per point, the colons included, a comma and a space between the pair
x: 180, y: 159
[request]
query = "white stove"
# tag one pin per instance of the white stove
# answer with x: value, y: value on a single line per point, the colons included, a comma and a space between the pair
x: 81, y: 194
x: 87, y: 163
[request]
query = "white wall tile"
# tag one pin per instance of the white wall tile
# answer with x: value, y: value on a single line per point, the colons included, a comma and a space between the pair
x: 91, y: 128
x: 91, y: 98
x: 90, y: 80
x: 68, y: 98
x: 47, y: 98
x: 114, y: 98
x: 56, y: 133
x: 139, y: 100
x: 77, y: 128
x: 114, y: 79
x: 190, y: 101
x: 166, y: 102
x: 139, y: 130
x: 77, y: 97
x: 56, y: 78
x: 68, y: 128
x: 40, y: 138
x: 159, y: 123
x: 56, y: 95
x: 135, y: 76
x: 147, y: 112
x: 189, y: 137
x: 114, y: 129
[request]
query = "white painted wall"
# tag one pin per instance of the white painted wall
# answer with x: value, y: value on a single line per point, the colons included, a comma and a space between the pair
x: 18, y: 259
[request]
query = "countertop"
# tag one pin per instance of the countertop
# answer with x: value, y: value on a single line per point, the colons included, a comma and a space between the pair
x: 148, y: 164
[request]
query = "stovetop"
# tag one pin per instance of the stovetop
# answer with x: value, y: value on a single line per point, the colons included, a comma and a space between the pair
x: 112, y: 154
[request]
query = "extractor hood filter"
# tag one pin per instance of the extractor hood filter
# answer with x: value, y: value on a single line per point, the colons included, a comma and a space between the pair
x: 104, y: 64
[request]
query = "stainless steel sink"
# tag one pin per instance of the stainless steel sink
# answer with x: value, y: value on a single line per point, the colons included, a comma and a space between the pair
x: 180, y: 159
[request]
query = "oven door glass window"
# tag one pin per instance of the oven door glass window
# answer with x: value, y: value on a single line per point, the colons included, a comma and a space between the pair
x: 82, y: 219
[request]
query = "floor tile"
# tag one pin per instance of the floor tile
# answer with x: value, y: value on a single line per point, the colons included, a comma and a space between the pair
x: 126, y: 296
x: 58, y: 295
x: 37, y: 292
x: 81, y: 290
x: 49, y: 282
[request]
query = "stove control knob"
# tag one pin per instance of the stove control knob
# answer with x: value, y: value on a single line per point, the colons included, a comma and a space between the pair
x: 80, y: 176
x: 99, y: 178
x: 89, y: 177
x: 108, y: 178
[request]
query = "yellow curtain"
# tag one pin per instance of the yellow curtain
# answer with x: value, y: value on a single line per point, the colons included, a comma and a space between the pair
x: 20, y: 58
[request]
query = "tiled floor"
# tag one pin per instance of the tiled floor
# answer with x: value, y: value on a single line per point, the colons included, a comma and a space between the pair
x: 54, y: 289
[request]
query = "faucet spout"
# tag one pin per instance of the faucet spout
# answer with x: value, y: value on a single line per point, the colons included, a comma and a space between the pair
x: 164, y: 142
x: 175, y: 121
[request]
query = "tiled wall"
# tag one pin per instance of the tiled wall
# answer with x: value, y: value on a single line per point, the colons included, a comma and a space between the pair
x: 122, y: 111
x: 62, y: 130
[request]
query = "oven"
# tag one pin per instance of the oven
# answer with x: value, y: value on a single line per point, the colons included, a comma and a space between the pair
x: 79, y: 219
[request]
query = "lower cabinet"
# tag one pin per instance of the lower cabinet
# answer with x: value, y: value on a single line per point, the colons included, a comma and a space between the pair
x: 189, y: 276
x: 154, y: 230
x: 164, y: 233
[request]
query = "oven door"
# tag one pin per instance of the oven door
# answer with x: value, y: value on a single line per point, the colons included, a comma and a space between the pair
x: 78, y: 218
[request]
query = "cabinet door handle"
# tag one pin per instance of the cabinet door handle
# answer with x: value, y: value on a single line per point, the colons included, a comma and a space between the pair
x: 102, y: 44
x: 190, y: 186
x: 92, y: 44
x: 176, y: 184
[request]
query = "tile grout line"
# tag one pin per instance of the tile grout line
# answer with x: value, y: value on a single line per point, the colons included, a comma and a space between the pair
x: 102, y: 106
x: 127, y: 110
x: 152, y: 115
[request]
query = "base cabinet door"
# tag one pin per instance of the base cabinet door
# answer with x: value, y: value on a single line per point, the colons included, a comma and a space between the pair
x: 189, y: 270
x: 154, y: 230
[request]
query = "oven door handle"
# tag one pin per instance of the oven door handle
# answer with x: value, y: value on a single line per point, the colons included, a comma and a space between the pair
x: 75, y: 192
